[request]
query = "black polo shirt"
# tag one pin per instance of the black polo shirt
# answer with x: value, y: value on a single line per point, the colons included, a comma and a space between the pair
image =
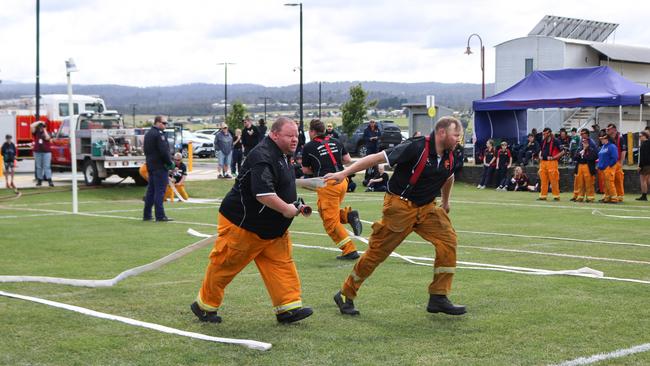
x: 316, y: 156
x: 265, y: 171
x: 404, y: 159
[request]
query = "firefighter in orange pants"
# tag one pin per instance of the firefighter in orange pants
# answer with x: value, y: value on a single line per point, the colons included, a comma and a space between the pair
x: 583, y: 184
x: 177, y: 177
x: 320, y: 156
x: 253, y: 224
x: 607, y: 159
x: 621, y: 148
x: 548, y: 170
x: 424, y: 167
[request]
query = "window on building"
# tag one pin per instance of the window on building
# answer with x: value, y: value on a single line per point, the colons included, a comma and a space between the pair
x: 529, y: 66
x: 63, y: 109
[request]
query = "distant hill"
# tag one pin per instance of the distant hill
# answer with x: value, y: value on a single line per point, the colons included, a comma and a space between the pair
x: 197, y: 99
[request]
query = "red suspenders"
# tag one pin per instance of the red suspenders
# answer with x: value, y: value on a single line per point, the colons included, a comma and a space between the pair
x: 329, y: 151
x: 423, y: 160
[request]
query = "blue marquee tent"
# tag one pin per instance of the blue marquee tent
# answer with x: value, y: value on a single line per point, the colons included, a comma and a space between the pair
x: 504, y: 115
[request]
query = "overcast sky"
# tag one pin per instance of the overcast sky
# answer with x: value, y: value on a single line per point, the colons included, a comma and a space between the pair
x: 165, y: 42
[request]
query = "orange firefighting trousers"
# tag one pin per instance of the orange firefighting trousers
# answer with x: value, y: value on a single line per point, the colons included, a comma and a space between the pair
x: 234, y: 249
x: 144, y: 173
x: 548, y: 171
x: 329, y: 203
x: 583, y: 184
x: 618, y: 181
x: 610, y: 187
x: 601, y: 180
x: 169, y: 193
x: 400, y: 218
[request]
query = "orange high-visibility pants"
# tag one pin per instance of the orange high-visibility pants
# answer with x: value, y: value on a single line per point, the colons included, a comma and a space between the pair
x: 601, y: 180
x: 399, y: 219
x: 548, y: 172
x: 583, y: 184
x: 234, y: 249
x: 619, y: 177
x: 329, y: 203
x: 144, y: 173
x: 610, y: 187
x: 169, y: 193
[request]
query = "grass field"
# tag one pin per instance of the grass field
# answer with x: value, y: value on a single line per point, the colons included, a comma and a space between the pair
x: 512, y: 319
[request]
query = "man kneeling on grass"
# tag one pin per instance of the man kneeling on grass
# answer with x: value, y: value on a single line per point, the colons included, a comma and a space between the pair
x: 422, y: 168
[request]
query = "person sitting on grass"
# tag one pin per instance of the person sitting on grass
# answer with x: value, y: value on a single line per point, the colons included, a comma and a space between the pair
x: 520, y: 182
x: 177, y: 178
x: 380, y: 183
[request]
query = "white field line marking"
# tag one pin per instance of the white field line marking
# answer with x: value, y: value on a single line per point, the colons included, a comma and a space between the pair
x: 542, y: 237
x: 260, y: 346
x: 32, y: 215
x: 549, y: 205
x: 599, y: 213
x: 606, y: 356
x: 120, y: 277
x: 70, y: 202
x: 551, y: 254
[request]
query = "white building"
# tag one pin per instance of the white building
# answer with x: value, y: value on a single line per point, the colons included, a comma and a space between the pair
x: 559, y: 43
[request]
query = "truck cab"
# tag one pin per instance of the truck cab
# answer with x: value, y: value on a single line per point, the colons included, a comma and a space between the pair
x: 104, y: 147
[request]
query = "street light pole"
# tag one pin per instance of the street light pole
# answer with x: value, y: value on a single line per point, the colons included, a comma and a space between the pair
x: 225, y: 89
x: 38, y: 62
x: 70, y: 68
x: 469, y: 52
x: 265, y: 99
x: 320, y: 94
x: 302, y: 129
x: 133, y: 113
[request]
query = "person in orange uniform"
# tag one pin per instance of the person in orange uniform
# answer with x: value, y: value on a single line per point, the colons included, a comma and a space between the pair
x: 253, y: 224
x: 423, y: 168
x: 177, y: 177
x: 621, y: 147
x: 549, y: 154
x: 322, y: 155
x: 607, y: 160
x: 583, y: 183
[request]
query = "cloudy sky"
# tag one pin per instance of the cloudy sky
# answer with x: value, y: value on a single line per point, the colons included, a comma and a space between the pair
x: 165, y: 42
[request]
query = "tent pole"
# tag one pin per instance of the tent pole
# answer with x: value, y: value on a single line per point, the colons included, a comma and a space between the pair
x: 620, y: 117
x: 543, y: 119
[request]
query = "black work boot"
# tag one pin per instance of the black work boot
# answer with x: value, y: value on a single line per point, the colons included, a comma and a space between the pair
x: 294, y: 315
x: 355, y: 222
x: 644, y: 197
x: 205, y: 316
x: 441, y: 304
x: 346, y: 305
x: 350, y: 256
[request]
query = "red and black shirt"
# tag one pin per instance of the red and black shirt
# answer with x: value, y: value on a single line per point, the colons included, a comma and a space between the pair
x: 323, y: 155
x: 550, y: 148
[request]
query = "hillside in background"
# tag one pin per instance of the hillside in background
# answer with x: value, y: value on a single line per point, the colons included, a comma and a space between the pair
x: 197, y: 99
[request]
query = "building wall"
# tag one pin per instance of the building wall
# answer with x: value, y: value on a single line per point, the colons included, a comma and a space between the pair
x: 580, y: 55
x: 639, y: 73
x: 547, y: 54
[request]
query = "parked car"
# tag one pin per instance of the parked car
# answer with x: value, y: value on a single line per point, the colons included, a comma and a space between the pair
x: 202, y: 147
x: 207, y: 132
x: 391, y: 135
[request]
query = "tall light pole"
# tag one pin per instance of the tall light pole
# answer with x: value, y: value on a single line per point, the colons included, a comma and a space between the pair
x: 38, y: 62
x: 320, y: 95
x: 302, y: 126
x: 265, y: 99
x: 133, y: 113
x: 225, y: 89
x: 70, y: 67
x: 469, y: 52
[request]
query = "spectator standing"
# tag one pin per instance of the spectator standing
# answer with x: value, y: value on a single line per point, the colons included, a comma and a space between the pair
x: 504, y: 162
x: 371, y: 137
x: 250, y: 135
x: 489, y: 164
x: 607, y: 160
x: 223, y: 143
x: 530, y: 150
x: 575, y: 143
x: 644, y: 164
x: 584, y: 173
x: 621, y: 147
x: 42, y: 153
x: 331, y: 132
x: 261, y: 126
x: 379, y: 184
x: 253, y: 224
x: 156, y: 151
x: 9, y: 157
x: 519, y: 182
x: 177, y: 177
x: 549, y: 155
x: 296, y: 163
x: 237, y: 153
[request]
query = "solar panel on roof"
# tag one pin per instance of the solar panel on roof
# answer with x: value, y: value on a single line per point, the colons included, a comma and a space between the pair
x: 573, y: 28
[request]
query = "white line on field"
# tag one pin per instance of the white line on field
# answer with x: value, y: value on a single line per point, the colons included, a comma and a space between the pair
x: 599, y: 213
x: 606, y: 356
x: 260, y: 346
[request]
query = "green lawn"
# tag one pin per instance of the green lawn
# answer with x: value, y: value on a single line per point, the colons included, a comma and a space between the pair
x: 512, y: 319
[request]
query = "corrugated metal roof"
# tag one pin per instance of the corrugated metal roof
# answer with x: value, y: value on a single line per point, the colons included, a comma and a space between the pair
x: 623, y: 53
